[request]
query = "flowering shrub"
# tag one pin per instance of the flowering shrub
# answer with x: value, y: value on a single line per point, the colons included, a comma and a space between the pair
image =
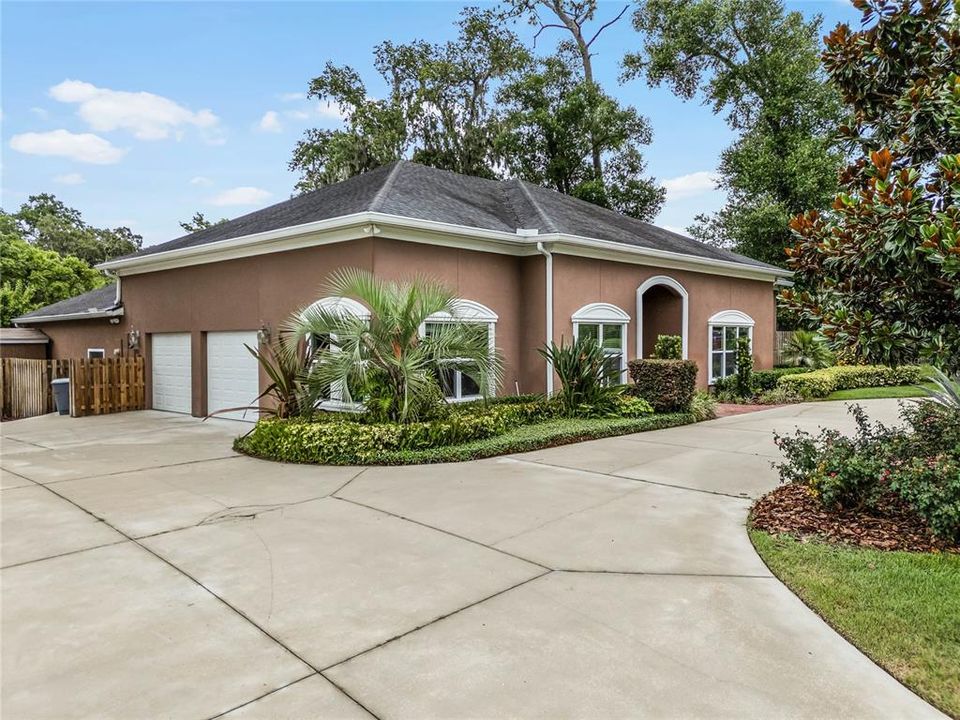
x: 919, y: 463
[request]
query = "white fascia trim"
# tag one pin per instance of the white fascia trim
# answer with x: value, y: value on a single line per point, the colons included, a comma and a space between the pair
x: 620, y: 252
x: 118, y: 312
x: 349, y: 227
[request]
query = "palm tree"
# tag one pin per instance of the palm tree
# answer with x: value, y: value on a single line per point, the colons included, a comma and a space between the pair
x: 808, y: 349
x: 388, y: 350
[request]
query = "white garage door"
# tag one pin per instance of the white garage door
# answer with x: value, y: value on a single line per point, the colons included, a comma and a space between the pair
x: 233, y: 377
x: 172, y: 389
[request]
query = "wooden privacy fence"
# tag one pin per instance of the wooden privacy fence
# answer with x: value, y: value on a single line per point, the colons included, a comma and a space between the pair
x: 106, y: 385
x: 25, y: 386
x: 97, y: 386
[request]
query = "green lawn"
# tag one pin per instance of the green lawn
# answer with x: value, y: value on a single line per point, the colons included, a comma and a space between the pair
x: 888, y: 391
x: 901, y: 609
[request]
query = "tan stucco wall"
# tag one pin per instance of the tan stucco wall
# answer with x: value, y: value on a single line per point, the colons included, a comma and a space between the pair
x: 71, y: 339
x: 580, y: 281
x: 248, y: 293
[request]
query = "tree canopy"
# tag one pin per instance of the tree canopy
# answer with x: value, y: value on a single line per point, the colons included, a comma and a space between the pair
x: 881, y: 267
x: 483, y: 105
x: 48, y: 223
x: 31, y: 277
x: 199, y: 222
x: 760, y: 65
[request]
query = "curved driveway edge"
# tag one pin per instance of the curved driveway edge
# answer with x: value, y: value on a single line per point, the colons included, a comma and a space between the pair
x: 148, y: 570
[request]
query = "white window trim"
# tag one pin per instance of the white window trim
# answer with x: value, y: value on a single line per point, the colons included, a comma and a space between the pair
x: 468, y: 311
x: 604, y: 314
x: 103, y: 354
x: 685, y: 317
x: 726, y: 318
x: 342, y: 306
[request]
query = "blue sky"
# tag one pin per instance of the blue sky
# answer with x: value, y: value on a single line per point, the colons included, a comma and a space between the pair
x: 141, y: 114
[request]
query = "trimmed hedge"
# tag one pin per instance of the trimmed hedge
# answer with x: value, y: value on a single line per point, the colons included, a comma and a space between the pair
x: 762, y: 379
x: 820, y: 383
x: 280, y: 439
x: 668, y: 385
x: 338, y: 439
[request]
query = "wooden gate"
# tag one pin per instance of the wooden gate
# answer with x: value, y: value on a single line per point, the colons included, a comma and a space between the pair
x: 106, y: 385
x: 25, y: 386
x: 783, y: 338
x: 97, y: 386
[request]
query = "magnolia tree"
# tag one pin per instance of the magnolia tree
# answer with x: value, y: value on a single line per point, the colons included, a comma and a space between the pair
x: 882, y: 266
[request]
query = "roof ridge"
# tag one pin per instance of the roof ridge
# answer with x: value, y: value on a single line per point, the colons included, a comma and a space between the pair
x: 547, y: 221
x: 378, y: 198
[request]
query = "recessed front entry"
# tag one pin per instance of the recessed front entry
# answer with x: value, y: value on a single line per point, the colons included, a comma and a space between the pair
x: 233, y: 375
x: 171, y: 376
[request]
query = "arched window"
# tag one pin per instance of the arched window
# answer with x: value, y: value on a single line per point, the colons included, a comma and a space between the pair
x: 723, y: 331
x: 458, y: 386
x: 607, y: 324
x: 334, y: 396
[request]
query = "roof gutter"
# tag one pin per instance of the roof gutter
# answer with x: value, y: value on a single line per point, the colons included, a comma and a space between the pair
x: 86, y: 315
x: 541, y: 248
x: 304, y: 235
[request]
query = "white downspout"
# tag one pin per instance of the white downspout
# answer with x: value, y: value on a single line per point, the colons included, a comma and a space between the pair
x: 549, y: 299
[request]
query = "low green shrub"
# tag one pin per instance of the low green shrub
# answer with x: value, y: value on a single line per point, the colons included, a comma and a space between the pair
x: 668, y: 385
x: 931, y: 485
x: 762, y: 379
x: 324, y: 443
x: 336, y: 439
x: 820, y: 383
x: 589, y: 385
x: 668, y: 347
x: 631, y: 406
x: 703, y: 406
x: 919, y: 462
x: 561, y: 431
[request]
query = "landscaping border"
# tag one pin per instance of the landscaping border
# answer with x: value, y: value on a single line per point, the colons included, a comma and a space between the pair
x: 525, y: 438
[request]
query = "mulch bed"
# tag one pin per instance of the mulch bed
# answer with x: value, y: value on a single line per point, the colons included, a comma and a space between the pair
x: 792, y: 509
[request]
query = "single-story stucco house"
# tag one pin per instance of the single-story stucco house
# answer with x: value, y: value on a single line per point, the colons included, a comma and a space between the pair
x: 529, y: 262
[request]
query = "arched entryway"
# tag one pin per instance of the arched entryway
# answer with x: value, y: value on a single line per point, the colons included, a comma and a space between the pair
x: 662, y: 309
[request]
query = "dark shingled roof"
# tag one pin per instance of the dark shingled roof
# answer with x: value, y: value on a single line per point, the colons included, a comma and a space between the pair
x: 412, y: 190
x: 98, y: 300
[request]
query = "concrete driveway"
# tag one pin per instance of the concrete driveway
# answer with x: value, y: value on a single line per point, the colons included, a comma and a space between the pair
x: 149, y: 572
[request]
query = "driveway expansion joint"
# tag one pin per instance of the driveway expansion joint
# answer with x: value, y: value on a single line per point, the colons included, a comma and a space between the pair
x: 445, y: 532
x: 637, y: 480
x: 436, y: 620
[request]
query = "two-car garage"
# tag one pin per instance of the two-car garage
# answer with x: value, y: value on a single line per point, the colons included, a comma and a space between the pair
x: 232, y: 373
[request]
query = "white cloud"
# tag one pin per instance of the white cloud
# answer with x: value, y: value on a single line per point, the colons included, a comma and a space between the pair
x: 70, y: 179
x: 147, y: 116
x: 201, y: 180
x: 40, y: 112
x: 292, y: 96
x: 330, y: 111
x: 240, y: 196
x: 270, y: 122
x: 82, y: 147
x: 696, y: 183
x: 297, y: 114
